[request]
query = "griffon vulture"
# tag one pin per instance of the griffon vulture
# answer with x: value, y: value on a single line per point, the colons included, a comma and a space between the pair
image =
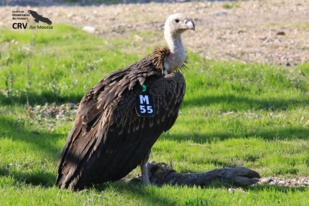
x: 121, y: 117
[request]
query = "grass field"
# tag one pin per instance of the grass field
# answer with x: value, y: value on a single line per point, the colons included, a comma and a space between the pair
x: 233, y: 114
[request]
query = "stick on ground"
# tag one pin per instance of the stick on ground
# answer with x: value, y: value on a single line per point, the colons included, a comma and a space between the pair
x: 160, y: 174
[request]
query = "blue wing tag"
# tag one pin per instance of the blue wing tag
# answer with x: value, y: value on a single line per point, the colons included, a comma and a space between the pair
x: 144, y: 105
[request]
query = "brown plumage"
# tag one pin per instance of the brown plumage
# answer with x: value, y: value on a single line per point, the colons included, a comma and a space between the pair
x: 108, y: 139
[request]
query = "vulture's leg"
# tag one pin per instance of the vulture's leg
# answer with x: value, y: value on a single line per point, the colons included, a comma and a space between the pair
x: 144, y: 169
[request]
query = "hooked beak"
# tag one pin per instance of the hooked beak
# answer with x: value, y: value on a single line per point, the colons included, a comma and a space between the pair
x: 190, y: 24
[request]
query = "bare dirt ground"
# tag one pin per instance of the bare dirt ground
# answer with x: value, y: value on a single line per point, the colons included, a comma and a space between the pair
x: 274, y: 31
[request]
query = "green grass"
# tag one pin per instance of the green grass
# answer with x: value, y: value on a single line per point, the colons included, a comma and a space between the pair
x: 230, y: 5
x: 233, y: 114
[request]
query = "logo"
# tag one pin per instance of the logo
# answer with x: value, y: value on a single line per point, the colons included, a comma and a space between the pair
x: 38, y: 18
x: 21, y: 19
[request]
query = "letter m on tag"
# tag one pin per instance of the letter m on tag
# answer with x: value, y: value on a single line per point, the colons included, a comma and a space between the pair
x: 144, y: 99
x: 144, y: 105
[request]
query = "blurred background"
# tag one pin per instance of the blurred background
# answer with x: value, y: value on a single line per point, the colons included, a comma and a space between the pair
x: 86, y: 2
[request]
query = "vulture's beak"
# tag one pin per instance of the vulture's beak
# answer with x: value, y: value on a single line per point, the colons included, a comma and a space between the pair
x: 190, y: 24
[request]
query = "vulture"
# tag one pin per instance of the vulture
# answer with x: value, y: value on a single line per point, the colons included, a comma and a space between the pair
x: 122, y: 116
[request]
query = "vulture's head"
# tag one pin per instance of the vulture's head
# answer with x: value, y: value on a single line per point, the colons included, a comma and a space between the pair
x: 175, y: 25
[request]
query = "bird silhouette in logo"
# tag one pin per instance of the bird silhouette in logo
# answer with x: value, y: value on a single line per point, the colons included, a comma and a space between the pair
x: 37, y: 17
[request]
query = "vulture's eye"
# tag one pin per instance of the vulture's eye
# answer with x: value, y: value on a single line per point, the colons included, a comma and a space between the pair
x: 176, y: 21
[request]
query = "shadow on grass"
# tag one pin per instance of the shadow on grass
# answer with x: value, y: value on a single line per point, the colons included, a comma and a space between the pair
x: 36, y: 178
x: 39, y: 142
x: 279, y: 189
x: 137, y: 191
x: 152, y: 195
x: 35, y: 99
x: 282, y: 133
x: 244, y: 103
x: 234, y: 102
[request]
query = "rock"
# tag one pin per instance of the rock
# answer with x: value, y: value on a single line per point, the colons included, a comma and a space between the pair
x: 220, y: 13
x: 282, y: 33
x: 231, y: 190
x: 60, y: 116
x: 286, y: 182
x: 89, y: 29
x: 265, y: 180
